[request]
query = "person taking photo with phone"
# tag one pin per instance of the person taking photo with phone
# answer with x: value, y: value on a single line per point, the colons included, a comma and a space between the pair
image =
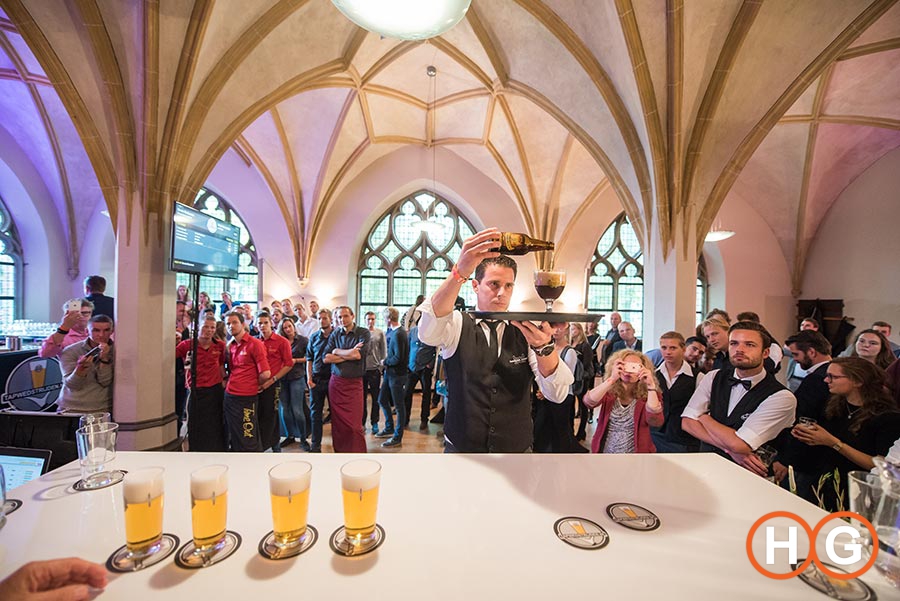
x: 88, y: 370
x: 72, y: 328
x: 629, y: 404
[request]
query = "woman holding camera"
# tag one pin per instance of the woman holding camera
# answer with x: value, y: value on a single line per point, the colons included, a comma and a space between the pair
x: 629, y: 403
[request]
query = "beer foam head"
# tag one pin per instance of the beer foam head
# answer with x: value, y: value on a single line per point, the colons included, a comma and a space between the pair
x: 289, y: 478
x: 209, y: 481
x: 362, y: 474
x: 142, y: 484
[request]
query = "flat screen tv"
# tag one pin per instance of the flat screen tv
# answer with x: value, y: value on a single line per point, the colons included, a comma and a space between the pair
x: 204, y: 245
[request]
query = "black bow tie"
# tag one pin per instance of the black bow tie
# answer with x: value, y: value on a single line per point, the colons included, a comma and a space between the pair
x: 732, y: 381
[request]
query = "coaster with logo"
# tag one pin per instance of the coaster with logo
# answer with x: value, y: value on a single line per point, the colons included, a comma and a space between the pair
x: 99, y: 480
x: 633, y: 516
x: 852, y: 589
x: 11, y: 505
x: 123, y: 562
x: 190, y: 557
x: 355, y: 546
x: 581, y: 533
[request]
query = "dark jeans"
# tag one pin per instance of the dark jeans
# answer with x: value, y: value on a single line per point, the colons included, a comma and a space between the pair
x: 243, y: 427
x: 317, y: 396
x: 206, y: 422
x: 269, y: 428
x: 424, y: 376
x: 392, y: 388
x: 293, y: 398
x: 371, y: 387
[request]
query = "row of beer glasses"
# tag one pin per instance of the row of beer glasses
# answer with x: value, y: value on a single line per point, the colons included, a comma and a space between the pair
x: 289, y: 485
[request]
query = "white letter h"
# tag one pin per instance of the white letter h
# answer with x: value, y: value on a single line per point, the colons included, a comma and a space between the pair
x: 790, y: 544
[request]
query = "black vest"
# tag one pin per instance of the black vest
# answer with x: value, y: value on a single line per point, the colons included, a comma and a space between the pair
x: 489, y: 399
x: 674, y: 400
x: 720, y: 394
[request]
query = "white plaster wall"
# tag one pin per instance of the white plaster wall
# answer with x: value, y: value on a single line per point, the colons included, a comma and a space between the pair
x: 46, y: 283
x: 855, y: 253
x: 98, y: 252
x: 757, y: 274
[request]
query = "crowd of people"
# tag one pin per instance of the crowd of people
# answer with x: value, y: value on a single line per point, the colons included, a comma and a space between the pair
x: 272, y: 377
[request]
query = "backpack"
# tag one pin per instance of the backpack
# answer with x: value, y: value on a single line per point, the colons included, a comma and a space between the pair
x: 578, y: 384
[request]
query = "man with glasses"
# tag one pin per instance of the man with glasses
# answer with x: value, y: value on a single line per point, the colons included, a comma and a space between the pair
x: 72, y: 328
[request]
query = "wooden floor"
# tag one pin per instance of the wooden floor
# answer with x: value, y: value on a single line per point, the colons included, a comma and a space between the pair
x: 414, y: 440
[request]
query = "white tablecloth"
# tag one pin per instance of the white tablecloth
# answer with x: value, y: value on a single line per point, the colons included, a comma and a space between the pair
x: 460, y: 527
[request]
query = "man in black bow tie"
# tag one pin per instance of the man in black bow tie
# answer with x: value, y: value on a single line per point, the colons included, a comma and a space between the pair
x: 736, y: 410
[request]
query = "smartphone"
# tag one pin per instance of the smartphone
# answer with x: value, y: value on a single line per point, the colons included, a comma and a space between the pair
x: 631, y: 367
x: 94, y: 353
x: 73, y: 305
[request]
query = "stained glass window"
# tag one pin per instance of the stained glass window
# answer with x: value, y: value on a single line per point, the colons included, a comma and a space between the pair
x: 616, y: 276
x: 245, y: 289
x: 409, y: 252
x: 10, y: 269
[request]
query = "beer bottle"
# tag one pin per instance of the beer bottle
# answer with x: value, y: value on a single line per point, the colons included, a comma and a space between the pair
x: 521, y: 244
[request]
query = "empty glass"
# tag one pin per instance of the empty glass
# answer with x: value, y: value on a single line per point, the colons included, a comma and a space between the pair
x: 93, y: 418
x: 96, y: 448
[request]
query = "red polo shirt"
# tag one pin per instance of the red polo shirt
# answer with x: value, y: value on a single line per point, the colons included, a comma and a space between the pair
x: 246, y: 360
x: 278, y: 352
x: 209, y: 362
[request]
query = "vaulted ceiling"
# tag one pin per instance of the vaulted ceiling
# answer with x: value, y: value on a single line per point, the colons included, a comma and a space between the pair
x: 675, y: 105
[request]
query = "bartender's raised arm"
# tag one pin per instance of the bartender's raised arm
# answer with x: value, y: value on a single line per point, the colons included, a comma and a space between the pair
x: 474, y: 250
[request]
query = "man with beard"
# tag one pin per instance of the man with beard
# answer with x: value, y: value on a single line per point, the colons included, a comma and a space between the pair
x: 737, y: 409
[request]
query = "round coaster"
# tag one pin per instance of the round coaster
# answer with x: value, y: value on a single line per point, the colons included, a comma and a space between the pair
x: 189, y: 559
x: 581, y: 533
x: 632, y: 516
x: 853, y: 589
x: 269, y: 550
x: 96, y: 483
x: 121, y: 562
x: 340, y: 545
x: 11, y: 505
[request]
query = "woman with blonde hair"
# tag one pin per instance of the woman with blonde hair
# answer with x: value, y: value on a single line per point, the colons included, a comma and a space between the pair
x: 629, y: 404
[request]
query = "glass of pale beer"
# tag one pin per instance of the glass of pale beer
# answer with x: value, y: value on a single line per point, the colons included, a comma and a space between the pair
x: 209, y: 506
x: 289, y: 493
x: 360, y: 480
x: 145, y: 544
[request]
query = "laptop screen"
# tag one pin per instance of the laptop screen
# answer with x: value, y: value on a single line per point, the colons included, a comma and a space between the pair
x: 22, y: 465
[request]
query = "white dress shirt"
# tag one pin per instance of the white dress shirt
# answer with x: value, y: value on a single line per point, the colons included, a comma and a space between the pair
x: 308, y: 327
x: 685, y: 369
x: 771, y: 417
x: 444, y: 332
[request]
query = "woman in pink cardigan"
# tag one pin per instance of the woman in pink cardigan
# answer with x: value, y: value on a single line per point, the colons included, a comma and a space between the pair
x: 629, y: 403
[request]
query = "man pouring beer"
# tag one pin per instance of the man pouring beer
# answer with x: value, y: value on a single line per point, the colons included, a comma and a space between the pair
x: 490, y: 366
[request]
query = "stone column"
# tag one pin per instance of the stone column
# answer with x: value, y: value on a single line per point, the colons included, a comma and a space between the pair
x: 670, y: 284
x: 144, y: 395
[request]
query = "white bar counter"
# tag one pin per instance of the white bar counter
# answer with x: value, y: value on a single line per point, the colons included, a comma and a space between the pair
x: 460, y: 527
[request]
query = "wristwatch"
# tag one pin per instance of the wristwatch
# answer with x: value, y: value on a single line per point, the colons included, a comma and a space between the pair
x: 543, y: 351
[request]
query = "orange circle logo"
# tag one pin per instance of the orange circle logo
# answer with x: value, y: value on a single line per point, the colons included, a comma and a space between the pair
x: 812, y: 533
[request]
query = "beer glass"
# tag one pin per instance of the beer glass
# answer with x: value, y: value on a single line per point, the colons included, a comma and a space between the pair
x: 209, y: 508
x: 360, y: 480
x: 96, y: 447
x: 549, y: 286
x: 289, y: 495
x: 145, y: 544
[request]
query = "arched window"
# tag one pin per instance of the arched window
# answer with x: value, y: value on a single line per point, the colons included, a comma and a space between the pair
x: 702, y: 288
x: 10, y: 268
x: 409, y: 252
x: 245, y: 289
x: 616, y: 275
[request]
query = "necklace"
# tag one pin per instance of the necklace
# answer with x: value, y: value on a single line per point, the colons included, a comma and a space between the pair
x: 852, y: 412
